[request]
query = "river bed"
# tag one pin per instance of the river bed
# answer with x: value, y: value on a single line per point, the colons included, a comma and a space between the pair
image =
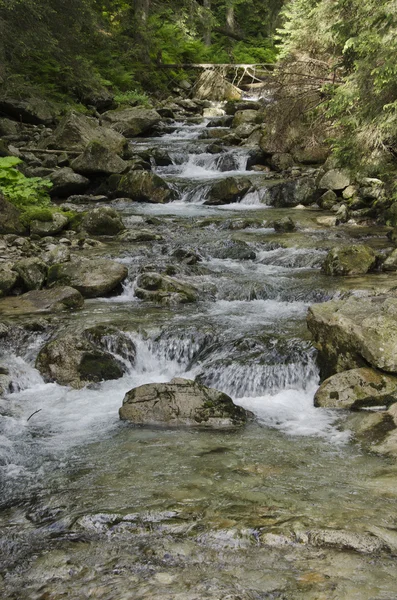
x: 94, y: 508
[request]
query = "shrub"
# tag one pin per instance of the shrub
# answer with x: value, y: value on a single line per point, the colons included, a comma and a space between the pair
x: 22, y: 191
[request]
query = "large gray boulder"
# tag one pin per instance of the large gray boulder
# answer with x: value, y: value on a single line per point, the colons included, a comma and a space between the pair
x: 335, y: 179
x: 10, y: 218
x: 66, y: 182
x: 143, y: 186
x: 37, y: 301
x: 349, y: 260
x: 92, y: 278
x: 226, y: 191
x: 36, y: 111
x: 163, y: 289
x: 357, y: 388
x: 97, y: 159
x: 181, y: 403
x: 32, y: 271
x: 132, y: 121
x: 103, y: 221
x: 54, y: 225
x: 355, y: 332
x: 76, y: 131
x: 74, y: 360
x: 288, y: 194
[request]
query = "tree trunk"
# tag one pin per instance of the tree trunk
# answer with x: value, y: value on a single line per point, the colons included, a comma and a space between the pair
x: 141, y: 14
x: 207, y: 22
x: 142, y: 8
x: 230, y: 23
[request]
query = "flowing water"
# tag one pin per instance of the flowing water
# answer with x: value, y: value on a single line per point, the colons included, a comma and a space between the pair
x: 93, y: 508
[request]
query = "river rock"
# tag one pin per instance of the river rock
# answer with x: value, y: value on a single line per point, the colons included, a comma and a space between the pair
x: 390, y: 264
x: 349, y: 260
x: 245, y: 130
x: 75, y: 361
x: 327, y: 200
x: 92, y: 278
x: 140, y: 236
x: 280, y: 161
x: 228, y: 190
x: 161, y: 157
x: 111, y: 339
x: 290, y: 193
x: 369, y: 428
x: 75, y: 131
x: 59, y: 254
x: 181, y: 403
x: 284, y: 225
x: 97, y: 159
x: 326, y: 221
x: 355, y: 332
x: 357, y: 388
x: 233, y: 250
x: 8, y: 279
x: 103, y: 221
x: 10, y: 218
x: 36, y: 111
x: 343, y: 540
x: 32, y: 271
x: 163, y: 289
x: 37, y: 301
x: 242, y: 117
x: 335, y: 180
x: 311, y: 155
x: 186, y: 256
x: 132, y: 121
x: 66, y: 182
x: 143, y: 186
x: 54, y: 225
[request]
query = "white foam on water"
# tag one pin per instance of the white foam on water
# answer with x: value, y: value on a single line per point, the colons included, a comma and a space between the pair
x: 292, y: 412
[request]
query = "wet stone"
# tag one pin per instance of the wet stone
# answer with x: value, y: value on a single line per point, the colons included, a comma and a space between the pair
x: 181, y: 402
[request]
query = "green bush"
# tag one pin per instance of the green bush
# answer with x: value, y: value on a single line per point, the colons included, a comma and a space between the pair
x: 132, y: 97
x: 22, y: 191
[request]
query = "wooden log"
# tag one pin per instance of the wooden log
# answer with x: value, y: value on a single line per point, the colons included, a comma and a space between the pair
x: 210, y: 66
x: 45, y: 151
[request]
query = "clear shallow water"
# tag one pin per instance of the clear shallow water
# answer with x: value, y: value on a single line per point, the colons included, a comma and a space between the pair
x: 93, y: 508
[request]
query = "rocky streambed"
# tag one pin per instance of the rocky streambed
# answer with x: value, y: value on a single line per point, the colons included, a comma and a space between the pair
x: 200, y: 262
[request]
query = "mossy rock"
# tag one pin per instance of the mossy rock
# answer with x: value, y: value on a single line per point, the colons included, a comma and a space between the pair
x: 349, y: 260
x: 181, y: 403
x: 143, y: 186
x: 73, y: 360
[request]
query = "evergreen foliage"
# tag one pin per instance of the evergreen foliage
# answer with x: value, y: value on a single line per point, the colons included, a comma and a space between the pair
x: 357, y: 40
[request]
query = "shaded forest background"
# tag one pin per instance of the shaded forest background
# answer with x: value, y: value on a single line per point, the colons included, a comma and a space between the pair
x: 72, y: 47
x: 336, y: 58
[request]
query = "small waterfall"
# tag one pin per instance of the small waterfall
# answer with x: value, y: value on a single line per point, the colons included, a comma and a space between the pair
x: 292, y: 258
x: 205, y: 165
x: 196, y: 195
